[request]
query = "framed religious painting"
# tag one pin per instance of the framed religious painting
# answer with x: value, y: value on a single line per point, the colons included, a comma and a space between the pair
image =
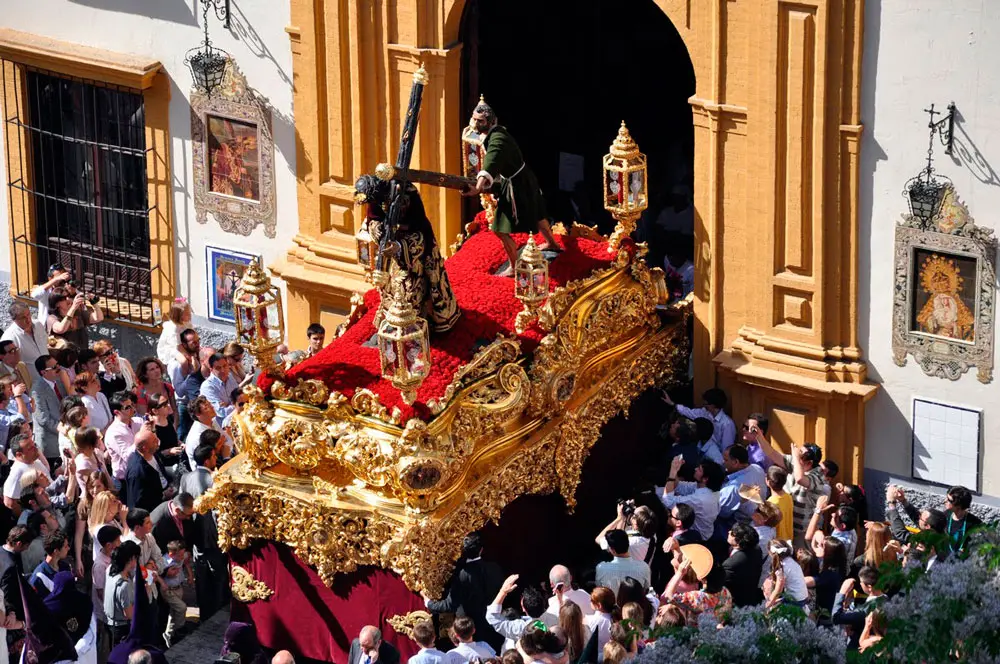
x: 233, y: 151
x: 225, y: 270
x: 945, y: 287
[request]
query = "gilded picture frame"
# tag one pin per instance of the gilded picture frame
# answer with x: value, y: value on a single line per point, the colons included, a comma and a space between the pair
x: 233, y: 157
x: 945, y: 291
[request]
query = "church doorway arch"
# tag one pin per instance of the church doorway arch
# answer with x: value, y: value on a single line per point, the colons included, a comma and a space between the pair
x: 562, y: 75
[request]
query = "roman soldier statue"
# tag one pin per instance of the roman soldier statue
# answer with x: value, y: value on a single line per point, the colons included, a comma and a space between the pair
x: 520, y: 206
x: 426, y: 283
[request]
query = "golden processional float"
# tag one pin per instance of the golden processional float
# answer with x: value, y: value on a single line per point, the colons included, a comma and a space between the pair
x: 345, y: 480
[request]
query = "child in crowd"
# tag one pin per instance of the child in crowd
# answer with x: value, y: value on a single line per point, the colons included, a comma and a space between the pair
x: 176, y: 573
x: 776, y: 478
x: 787, y: 580
x: 317, y: 335
x: 178, y: 319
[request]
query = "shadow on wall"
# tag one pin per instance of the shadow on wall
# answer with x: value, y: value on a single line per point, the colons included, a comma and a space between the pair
x: 245, y: 32
x: 175, y: 11
x: 283, y: 125
x: 871, y: 154
x: 965, y: 153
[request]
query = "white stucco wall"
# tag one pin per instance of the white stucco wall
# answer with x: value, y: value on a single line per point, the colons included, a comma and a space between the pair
x: 166, y: 30
x: 916, y: 53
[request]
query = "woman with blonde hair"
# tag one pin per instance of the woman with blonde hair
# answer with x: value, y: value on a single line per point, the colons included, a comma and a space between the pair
x: 234, y: 353
x: 875, y: 553
x: 95, y: 483
x: 106, y: 510
x: 577, y: 633
x: 614, y: 653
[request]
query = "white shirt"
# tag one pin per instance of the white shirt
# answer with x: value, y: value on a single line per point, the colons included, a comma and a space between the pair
x: 725, y: 429
x: 12, y: 487
x: 466, y: 652
x: 511, y: 630
x: 766, y: 534
x: 611, y: 574
x: 638, y: 546
x: 41, y: 296
x: 166, y: 346
x: 579, y: 597
x: 148, y: 549
x: 99, y: 409
x: 194, y: 437
x: 795, y: 580
x: 600, y: 623
x: 704, y: 501
x: 32, y: 345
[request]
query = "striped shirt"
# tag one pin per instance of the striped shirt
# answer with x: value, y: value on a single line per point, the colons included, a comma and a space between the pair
x: 804, y: 498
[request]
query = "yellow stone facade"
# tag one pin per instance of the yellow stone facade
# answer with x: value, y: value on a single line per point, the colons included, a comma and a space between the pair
x: 777, y: 138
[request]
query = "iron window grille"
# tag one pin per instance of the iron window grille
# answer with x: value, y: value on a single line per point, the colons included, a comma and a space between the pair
x: 81, y: 178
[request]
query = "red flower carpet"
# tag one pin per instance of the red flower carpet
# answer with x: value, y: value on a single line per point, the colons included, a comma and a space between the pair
x: 488, y: 308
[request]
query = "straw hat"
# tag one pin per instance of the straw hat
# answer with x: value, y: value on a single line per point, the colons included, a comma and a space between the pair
x: 700, y: 557
x: 751, y: 492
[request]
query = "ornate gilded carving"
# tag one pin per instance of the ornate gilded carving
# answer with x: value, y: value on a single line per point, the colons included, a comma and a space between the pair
x: 246, y: 588
x: 404, y: 496
x: 312, y: 392
x: 404, y: 624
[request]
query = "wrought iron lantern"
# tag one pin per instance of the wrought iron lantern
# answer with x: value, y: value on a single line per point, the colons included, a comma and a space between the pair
x: 404, y: 344
x: 208, y: 63
x: 625, y: 185
x: 925, y: 191
x: 531, y: 283
x: 260, y: 326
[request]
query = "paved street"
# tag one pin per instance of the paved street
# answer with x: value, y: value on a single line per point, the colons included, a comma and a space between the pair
x: 203, y: 645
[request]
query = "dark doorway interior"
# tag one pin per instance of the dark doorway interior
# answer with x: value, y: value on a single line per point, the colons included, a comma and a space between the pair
x: 563, y: 74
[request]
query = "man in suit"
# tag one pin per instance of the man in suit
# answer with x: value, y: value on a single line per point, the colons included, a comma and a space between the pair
x: 472, y: 587
x: 369, y: 648
x: 172, y: 520
x: 46, y: 392
x: 146, y: 481
x: 11, y: 363
x: 18, y: 539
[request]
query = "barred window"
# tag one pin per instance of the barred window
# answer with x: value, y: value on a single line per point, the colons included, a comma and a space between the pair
x: 76, y: 168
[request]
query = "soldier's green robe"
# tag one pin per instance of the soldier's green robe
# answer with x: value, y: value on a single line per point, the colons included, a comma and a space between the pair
x: 520, y: 205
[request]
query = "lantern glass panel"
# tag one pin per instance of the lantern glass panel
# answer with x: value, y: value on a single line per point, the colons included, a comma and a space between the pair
x: 613, y: 194
x: 540, y: 283
x: 387, y: 348
x: 273, y: 321
x: 364, y: 256
x: 637, y: 197
x: 416, y: 363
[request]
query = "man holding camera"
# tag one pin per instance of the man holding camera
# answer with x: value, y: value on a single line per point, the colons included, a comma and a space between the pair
x: 639, y: 523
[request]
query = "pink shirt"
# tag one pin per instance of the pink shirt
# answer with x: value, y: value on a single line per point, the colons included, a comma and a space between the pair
x: 86, y: 464
x: 120, y: 441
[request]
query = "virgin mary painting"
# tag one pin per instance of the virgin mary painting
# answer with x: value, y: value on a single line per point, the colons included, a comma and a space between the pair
x: 945, y: 298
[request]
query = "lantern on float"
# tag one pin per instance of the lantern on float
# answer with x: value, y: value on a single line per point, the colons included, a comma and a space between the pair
x: 625, y: 185
x: 473, y: 157
x: 260, y: 325
x: 404, y: 344
x: 531, y: 283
